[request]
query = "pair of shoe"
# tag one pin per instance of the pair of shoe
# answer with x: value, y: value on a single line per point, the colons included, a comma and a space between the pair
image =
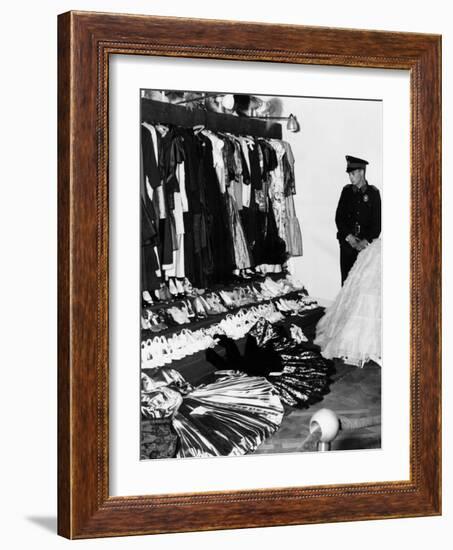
x: 179, y: 315
x: 227, y: 299
x: 176, y: 287
x: 270, y: 312
x: 163, y: 293
x: 256, y: 293
x: 179, y: 345
x: 306, y: 303
x: 201, y: 307
x: 147, y: 299
x: 190, y: 290
x: 237, y: 325
x: 215, y: 303
x: 294, y: 283
x: 241, y: 296
x: 232, y: 327
x: 297, y: 334
x: 273, y: 287
x: 155, y: 353
x: 287, y: 306
x: 152, y: 321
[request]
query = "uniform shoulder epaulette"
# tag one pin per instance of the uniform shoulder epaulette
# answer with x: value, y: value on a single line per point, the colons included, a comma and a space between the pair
x: 373, y: 188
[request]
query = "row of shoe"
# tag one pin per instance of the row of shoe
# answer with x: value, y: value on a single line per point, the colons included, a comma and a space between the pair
x: 238, y: 325
x: 215, y: 303
x: 258, y: 292
x: 173, y: 289
x: 176, y: 289
x: 187, y: 311
x: 160, y: 351
x: 295, y: 306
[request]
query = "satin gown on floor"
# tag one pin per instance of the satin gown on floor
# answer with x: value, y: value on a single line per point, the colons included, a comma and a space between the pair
x: 228, y: 417
x: 351, y: 326
x: 298, y: 372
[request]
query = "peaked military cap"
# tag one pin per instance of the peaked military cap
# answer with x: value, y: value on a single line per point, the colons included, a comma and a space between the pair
x: 353, y: 163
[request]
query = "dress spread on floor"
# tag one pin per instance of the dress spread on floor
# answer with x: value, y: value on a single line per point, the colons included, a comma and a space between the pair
x: 228, y: 417
x: 297, y: 371
x: 351, y: 326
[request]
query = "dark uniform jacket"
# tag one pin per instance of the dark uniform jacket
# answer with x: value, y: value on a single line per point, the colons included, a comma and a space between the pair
x: 359, y: 213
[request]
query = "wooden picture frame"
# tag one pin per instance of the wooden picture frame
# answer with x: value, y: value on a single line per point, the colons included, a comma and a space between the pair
x: 85, y: 41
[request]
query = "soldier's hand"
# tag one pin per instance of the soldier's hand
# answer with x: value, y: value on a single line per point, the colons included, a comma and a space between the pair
x: 352, y: 241
x: 361, y: 245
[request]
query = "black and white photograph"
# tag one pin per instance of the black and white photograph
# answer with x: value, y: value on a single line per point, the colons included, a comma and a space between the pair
x: 261, y: 275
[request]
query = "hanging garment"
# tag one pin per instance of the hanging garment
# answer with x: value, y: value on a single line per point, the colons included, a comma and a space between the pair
x: 150, y: 146
x: 238, y: 179
x: 248, y: 214
x: 150, y: 268
x: 246, y: 182
x: 270, y: 162
x: 180, y: 202
x: 276, y: 191
x: 229, y: 417
x: 219, y: 232
x: 242, y: 255
x: 217, y: 157
x: 288, y: 169
x: 274, y: 251
x: 149, y: 238
x: 292, y: 228
x: 255, y: 168
x: 242, y: 251
x: 199, y: 264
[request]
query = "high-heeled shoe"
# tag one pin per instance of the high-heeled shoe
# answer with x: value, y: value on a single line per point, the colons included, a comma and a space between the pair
x: 166, y: 353
x: 215, y: 303
x: 179, y: 315
x: 179, y: 287
x: 172, y: 288
x: 190, y: 311
x: 187, y: 286
x: 148, y: 355
x: 147, y: 299
x: 144, y: 322
x: 297, y: 334
x: 165, y: 293
x: 157, y: 323
x: 199, y: 309
x: 206, y: 306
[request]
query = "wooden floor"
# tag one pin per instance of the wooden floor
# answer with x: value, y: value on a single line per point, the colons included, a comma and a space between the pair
x: 355, y: 393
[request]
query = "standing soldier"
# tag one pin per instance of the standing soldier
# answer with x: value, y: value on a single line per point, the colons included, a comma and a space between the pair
x: 358, y: 215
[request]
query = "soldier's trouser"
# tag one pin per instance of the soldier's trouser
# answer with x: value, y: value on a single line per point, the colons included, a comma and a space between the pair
x: 348, y: 256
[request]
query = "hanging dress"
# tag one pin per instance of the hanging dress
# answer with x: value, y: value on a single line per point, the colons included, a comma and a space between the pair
x: 277, y: 191
x: 242, y: 255
x: 292, y: 226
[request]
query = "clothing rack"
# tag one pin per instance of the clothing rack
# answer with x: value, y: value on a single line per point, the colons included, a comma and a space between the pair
x: 158, y: 112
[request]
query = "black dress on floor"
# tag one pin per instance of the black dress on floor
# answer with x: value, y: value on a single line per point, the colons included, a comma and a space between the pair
x: 298, y: 372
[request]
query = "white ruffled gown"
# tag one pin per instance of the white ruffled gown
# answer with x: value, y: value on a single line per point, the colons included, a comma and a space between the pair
x: 351, y: 327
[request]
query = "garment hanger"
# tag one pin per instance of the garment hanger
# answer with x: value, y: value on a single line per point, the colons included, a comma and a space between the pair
x: 198, y: 128
x: 162, y: 129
